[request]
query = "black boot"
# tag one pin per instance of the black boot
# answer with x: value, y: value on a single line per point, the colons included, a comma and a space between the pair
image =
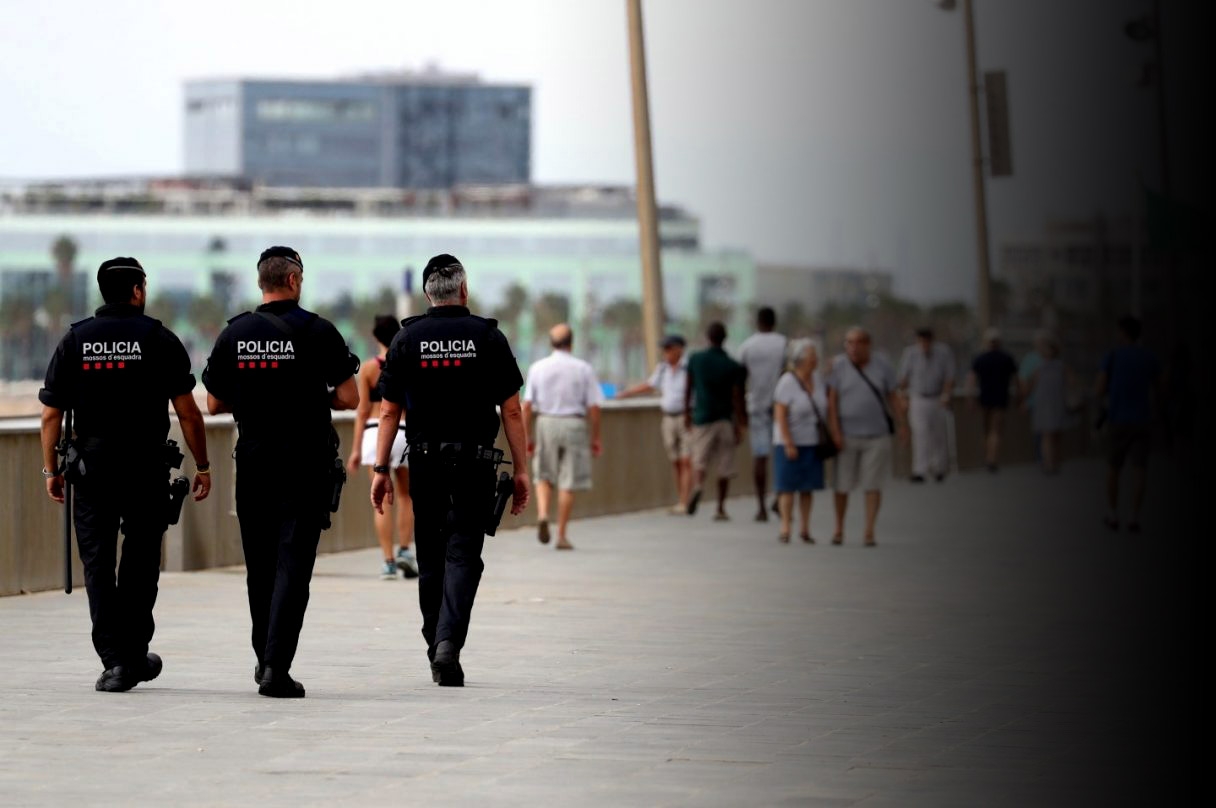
x: 279, y: 685
x: 445, y: 668
x: 122, y: 678
x: 118, y: 679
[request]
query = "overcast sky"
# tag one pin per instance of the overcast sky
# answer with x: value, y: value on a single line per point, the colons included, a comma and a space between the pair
x: 804, y: 131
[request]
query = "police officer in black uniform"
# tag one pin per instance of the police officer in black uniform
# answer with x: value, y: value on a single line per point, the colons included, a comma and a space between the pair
x: 115, y: 372
x: 448, y: 370
x: 280, y: 370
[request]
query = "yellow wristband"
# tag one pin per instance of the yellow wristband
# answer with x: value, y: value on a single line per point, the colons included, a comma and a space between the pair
x: 203, y: 471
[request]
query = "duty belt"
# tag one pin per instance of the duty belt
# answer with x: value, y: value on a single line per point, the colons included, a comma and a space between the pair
x: 464, y: 450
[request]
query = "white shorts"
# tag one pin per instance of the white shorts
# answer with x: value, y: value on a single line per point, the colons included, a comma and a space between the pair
x: 371, y: 434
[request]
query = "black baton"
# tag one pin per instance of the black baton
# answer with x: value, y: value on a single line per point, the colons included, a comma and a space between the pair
x: 67, y: 508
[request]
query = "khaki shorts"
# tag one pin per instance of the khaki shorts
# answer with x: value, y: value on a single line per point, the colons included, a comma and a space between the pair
x: 563, y: 453
x: 677, y: 438
x: 713, y: 448
x: 863, y: 463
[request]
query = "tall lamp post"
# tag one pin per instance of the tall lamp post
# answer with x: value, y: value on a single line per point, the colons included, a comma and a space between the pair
x: 648, y: 220
x: 984, y: 279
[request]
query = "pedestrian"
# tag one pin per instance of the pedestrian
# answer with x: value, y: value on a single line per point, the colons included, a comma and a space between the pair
x: 1128, y: 380
x: 799, y: 407
x: 280, y: 370
x: 993, y: 372
x: 1026, y: 368
x: 114, y: 372
x: 763, y: 356
x: 454, y: 376
x: 715, y: 413
x: 1049, y: 385
x: 863, y: 406
x: 670, y: 380
x: 565, y: 396
x: 926, y: 375
x: 363, y: 452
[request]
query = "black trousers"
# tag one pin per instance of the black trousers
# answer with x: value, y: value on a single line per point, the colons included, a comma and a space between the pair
x: 131, y: 497
x: 451, y: 501
x: 282, y: 508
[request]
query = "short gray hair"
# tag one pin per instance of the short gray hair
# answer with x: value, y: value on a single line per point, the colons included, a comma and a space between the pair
x: 798, y: 349
x: 444, y: 284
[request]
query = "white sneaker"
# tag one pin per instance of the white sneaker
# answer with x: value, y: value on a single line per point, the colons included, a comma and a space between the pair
x: 388, y: 572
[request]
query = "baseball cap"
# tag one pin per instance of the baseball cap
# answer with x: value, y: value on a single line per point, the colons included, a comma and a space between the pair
x: 441, y: 261
x: 282, y: 252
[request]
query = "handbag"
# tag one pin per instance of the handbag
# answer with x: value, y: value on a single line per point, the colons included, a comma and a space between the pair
x: 826, y: 448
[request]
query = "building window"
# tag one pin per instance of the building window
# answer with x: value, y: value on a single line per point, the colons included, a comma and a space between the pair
x: 304, y: 109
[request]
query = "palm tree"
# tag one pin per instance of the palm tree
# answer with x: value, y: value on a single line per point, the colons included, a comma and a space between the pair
x: 515, y: 303
x: 64, y: 250
x: 549, y: 310
x: 625, y: 315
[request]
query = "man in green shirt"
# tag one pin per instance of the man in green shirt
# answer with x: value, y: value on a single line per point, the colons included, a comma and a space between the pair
x: 714, y: 411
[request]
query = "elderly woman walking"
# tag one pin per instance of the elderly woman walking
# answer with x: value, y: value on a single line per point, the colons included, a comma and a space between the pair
x: 799, y: 406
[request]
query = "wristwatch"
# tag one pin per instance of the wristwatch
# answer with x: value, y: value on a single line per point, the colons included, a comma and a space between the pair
x: 380, y: 469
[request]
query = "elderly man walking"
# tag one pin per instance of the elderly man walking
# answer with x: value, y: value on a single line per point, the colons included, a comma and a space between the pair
x: 926, y: 375
x: 565, y: 395
x: 714, y: 411
x: 670, y: 381
x: 862, y: 398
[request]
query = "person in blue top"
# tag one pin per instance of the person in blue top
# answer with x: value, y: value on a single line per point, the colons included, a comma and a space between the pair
x: 1127, y: 381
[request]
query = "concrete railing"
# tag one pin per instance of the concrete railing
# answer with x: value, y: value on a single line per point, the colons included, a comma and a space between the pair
x: 633, y: 474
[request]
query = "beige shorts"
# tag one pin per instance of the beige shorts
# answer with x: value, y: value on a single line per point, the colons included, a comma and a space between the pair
x: 863, y: 463
x: 677, y: 438
x: 563, y: 453
x: 714, y: 448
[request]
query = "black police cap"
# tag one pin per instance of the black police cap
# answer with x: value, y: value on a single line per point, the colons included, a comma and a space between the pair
x: 120, y: 263
x: 286, y: 253
x: 441, y: 261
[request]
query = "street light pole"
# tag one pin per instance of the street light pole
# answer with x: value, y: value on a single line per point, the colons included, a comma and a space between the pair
x: 648, y: 220
x: 984, y: 291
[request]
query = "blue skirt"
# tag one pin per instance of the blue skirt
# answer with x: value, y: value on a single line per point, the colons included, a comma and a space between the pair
x: 805, y: 473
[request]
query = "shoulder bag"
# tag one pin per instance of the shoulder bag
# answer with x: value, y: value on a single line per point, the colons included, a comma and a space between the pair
x: 826, y: 448
x: 881, y: 402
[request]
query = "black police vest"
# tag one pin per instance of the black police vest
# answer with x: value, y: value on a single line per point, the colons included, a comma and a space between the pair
x: 447, y: 363
x: 119, y: 396
x: 281, y: 397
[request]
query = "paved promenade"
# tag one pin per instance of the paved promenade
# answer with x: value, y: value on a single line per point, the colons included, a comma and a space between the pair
x: 981, y: 655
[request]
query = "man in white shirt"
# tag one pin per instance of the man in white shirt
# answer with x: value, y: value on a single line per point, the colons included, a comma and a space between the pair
x: 566, y: 396
x: 763, y: 354
x: 926, y: 375
x: 669, y: 380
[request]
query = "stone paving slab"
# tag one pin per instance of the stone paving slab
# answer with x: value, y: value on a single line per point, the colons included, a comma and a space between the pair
x: 979, y: 655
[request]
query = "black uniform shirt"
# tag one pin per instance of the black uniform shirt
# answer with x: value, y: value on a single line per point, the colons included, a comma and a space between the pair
x: 449, y: 369
x: 277, y: 383
x: 117, y: 371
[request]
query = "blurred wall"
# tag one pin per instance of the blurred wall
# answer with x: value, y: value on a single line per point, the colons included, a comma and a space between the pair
x: 632, y: 475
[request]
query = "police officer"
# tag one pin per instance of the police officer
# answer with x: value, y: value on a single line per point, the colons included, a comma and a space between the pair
x: 114, y: 372
x: 280, y: 370
x: 448, y: 370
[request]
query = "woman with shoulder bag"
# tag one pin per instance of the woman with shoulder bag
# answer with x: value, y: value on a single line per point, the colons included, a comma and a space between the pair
x: 800, y: 440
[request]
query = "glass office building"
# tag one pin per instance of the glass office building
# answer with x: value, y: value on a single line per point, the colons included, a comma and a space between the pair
x: 407, y: 131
